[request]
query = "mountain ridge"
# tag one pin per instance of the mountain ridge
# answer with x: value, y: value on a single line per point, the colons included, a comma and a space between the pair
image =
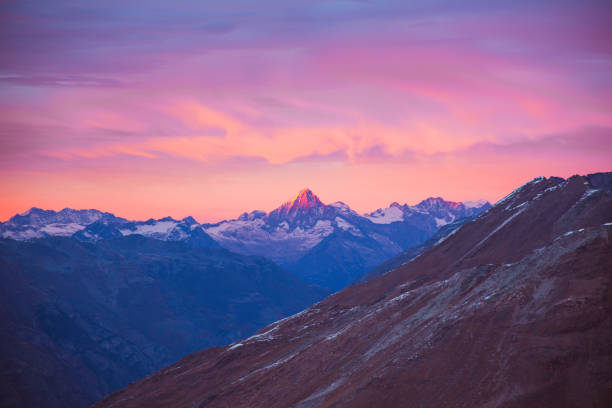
x: 305, y: 200
x: 330, y: 244
x: 346, y: 243
x: 512, y: 309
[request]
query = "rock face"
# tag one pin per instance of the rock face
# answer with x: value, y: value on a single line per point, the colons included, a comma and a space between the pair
x: 512, y: 310
x: 82, y: 319
x: 304, y: 210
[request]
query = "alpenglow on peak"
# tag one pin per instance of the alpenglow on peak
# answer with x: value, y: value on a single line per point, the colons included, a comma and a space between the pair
x: 306, y: 199
x: 304, y: 203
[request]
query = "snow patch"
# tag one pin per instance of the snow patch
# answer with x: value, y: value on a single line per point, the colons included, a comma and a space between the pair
x: 266, y: 336
x: 151, y: 230
x: 346, y: 226
x: 272, y: 365
x: 440, y: 222
x: 22, y: 235
x: 317, y: 395
x: 502, y: 225
x: 475, y: 204
x: 509, y: 208
x: 558, y: 186
x: 341, y: 207
x: 304, y: 312
x: 255, y: 231
x: 587, y: 194
x: 519, y: 189
x: 568, y: 233
x: 386, y: 216
x: 441, y: 240
x: 338, y: 333
x: 62, y: 230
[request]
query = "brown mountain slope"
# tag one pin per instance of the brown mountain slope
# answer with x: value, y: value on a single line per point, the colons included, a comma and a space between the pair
x: 514, y: 309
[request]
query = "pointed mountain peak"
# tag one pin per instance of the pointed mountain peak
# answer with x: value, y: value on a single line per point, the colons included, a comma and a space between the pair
x: 305, y: 203
x: 34, y: 210
x: 341, y: 206
x: 475, y: 204
x: 189, y: 220
x: 437, y: 202
x: 306, y: 199
x: 168, y: 218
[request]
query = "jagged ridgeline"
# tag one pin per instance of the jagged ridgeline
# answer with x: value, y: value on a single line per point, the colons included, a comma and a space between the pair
x: 329, y: 245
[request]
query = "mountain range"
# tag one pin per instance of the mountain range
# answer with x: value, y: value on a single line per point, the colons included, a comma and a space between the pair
x: 512, y: 309
x: 93, y: 225
x: 92, y: 302
x: 329, y: 245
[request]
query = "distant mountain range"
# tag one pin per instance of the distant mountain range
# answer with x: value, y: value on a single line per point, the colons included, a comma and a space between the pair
x: 512, y: 309
x: 287, y: 233
x: 94, y: 225
x: 330, y: 245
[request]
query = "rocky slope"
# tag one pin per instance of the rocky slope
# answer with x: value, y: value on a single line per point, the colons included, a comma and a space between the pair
x: 82, y: 319
x: 512, y: 310
x: 411, y: 253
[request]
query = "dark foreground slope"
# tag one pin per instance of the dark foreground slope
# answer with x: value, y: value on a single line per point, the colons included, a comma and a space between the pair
x: 411, y: 253
x: 512, y: 310
x: 80, y: 320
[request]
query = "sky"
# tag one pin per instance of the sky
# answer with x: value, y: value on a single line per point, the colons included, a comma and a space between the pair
x: 212, y: 108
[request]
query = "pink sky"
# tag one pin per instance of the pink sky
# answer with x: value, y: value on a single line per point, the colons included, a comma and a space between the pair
x: 212, y: 110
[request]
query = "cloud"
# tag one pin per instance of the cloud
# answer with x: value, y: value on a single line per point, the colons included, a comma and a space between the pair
x: 301, y: 92
x: 59, y: 81
x: 337, y: 156
x: 594, y: 143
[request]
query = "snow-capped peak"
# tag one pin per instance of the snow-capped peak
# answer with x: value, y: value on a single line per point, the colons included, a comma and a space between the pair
x: 304, y: 203
x: 475, y: 204
x: 442, y: 211
x: 341, y: 206
x: 305, y: 199
x: 437, y: 203
x: 253, y: 215
x: 31, y: 211
x: 37, y: 223
x: 386, y: 216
